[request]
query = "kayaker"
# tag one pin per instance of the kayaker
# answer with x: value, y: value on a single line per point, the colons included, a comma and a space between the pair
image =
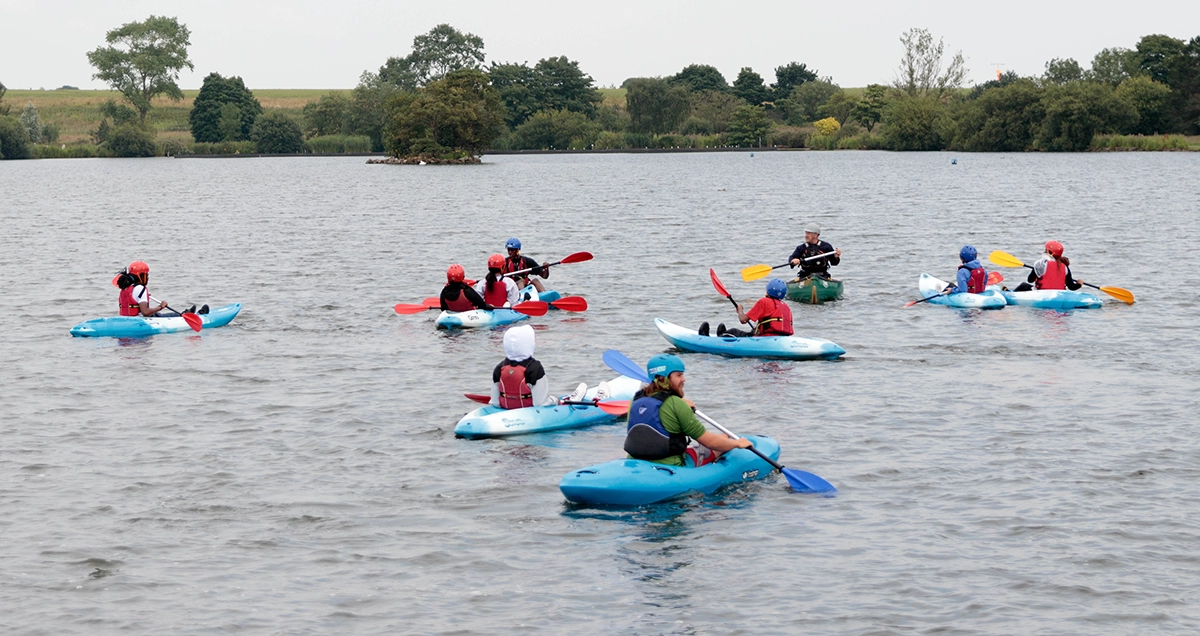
x: 814, y: 246
x: 516, y: 262
x: 496, y: 290
x: 971, y: 277
x: 459, y: 296
x: 661, y: 421
x: 1051, y: 271
x: 771, y: 316
x: 520, y: 380
x: 134, y: 299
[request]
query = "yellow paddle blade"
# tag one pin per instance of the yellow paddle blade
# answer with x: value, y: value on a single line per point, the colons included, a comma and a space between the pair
x: 1123, y: 295
x: 1004, y: 259
x: 755, y: 272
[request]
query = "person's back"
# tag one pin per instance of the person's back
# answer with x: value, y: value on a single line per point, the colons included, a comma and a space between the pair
x: 459, y: 296
x: 519, y: 380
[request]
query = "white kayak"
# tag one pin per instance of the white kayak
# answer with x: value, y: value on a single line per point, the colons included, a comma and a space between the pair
x: 483, y: 318
x: 931, y: 288
x: 493, y: 421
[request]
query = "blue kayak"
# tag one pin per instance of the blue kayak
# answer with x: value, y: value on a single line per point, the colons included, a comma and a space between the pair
x: 493, y: 421
x: 777, y: 347
x: 139, y: 327
x: 1061, y: 299
x: 931, y: 288
x: 634, y: 482
x: 478, y: 318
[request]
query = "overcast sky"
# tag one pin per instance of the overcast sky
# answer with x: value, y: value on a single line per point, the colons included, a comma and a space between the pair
x: 327, y: 44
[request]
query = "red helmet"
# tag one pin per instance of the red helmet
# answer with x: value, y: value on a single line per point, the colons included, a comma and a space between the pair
x: 1055, y: 248
x: 138, y: 267
x: 455, y: 273
x: 496, y: 261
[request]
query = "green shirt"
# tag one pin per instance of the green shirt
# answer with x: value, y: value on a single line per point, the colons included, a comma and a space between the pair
x: 677, y: 417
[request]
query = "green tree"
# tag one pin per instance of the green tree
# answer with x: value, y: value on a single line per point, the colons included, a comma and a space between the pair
x: 748, y: 126
x: 118, y: 113
x: 920, y: 73
x: 655, y: 106
x: 14, y: 139
x: 1151, y: 100
x: 434, y: 54
x: 559, y: 84
x: 700, y: 77
x: 1008, y: 77
x: 1059, y: 71
x: 916, y: 123
x: 212, y: 104
x: 143, y: 60
x: 1160, y: 57
x: 802, y: 105
x: 130, y: 139
x: 1003, y: 119
x: 4, y: 110
x: 1077, y: 111
x: 329, y: 115
x: 750, y: 87
x: 32, y: 123
x: 460, y: 113
x: 838, y: 106
x: 556, y: 130
x: 514, y: 83
x: 1112, y: 66
x: 869, y: 110
x: 715, y: 107
x: 276, y: 133
x: 788, y: 77
x: 368, y: 108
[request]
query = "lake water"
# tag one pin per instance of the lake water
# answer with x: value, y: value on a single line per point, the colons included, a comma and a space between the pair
x: 1006, y: 472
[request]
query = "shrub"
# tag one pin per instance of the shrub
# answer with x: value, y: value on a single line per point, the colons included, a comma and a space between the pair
x: 823, y: 142
x: 14, y: 139
x: 638, y: 140
x: 49, y: 133
x: 66, y: 152
x: 696, y: 126
x: 1139, y: 142
x: 916, y: 123
x: 672, y: 141
x: 171, y: 148
x: 130, y: 140
x: 276, y: 133
x: 789, y: 137
x: 609, y: 140
x: 339, y: 144
x: 828, y: 126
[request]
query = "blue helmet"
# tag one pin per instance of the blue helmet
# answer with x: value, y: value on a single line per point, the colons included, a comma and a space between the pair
x: 663, y: 364
x: 776, y: 288
x: 513, y: 243
x: 967, y: 253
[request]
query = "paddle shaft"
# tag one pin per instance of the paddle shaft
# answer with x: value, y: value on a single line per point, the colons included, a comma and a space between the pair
x: 733, y: 435
x: 521, y: 272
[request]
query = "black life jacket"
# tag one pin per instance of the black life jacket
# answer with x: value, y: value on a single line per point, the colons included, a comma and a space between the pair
x: 646, y: 437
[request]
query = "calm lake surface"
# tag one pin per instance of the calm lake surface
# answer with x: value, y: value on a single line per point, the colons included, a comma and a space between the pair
x: 1006, y: 472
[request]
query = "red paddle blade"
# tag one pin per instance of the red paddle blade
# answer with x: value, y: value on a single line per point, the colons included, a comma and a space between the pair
x: 577, y: 257
x: 532, y: 308
x: 717, y: 282
x: 614, y: 407
x: 995, y: 278
x: 403, y: 308
x: 570, y: 303
x: 115, y: 280
x: 193, y: 321
x: 907, y: 305
x: 479, y: 397
x: 432, y: 302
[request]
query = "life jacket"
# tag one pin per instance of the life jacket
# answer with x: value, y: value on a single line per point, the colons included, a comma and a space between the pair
x: 460, y: 303
x: 514, y: 391
x: 516, y: 264
x: 1055, y: 276
x: 127, y: 305
x: 977, y: 283
x: 645, y: 437
x: 778, y: 323
x: 497, y: 296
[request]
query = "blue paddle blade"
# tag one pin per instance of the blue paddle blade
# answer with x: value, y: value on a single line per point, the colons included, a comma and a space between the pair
x: 802, y: 481
x: 618, y: 362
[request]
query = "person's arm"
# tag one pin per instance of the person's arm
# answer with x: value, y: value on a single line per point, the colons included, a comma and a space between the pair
x: 742, y: 314
x: 475, y: 299
x: 495, y: 401
x: 794, y: 259
x: 680, y: 413
x: 545, y: 271
x: 1072, y: 284
x: 514, y: 292
x: 960, y: 281
x: 721, y: 442
x: 442, y: 298
x: 541, y: 393
x: 836, y: 259
x: 144, y: 304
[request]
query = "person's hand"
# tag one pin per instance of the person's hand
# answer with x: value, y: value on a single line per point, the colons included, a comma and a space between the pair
x: 162, y: 304
x: 690, y: 403
x: 794, y: 262
x: 1079, y: 280
x: 838, y: 252
x: 739, y: 308
x: 742, y: 442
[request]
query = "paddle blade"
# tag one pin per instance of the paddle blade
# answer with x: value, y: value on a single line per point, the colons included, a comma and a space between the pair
x: 614, y: 407
x: 802, y: 481
x: 1123, y: 295
x: 193, y: 321
x: 717, y: 283
x: 1004, y: 259
x: 115, y: 279
x: 532, y: 308
x: 755, y: 272
x: 570, y: 303
x: 577, y: 257
x: 478, y: 397
x: 623, y: 365
x: 404, y: 308
x: 907, y: 305
x: 995, y: 278
x: 432, y: 302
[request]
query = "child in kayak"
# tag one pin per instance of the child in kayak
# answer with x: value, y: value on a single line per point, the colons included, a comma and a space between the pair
x: 498, y: 291
x: 1051, y: 271
x: 520, y: 379
x: 971, y: 277
x: 459, y: 296
x: 134, y: 299
x: 662, y: 427
x: 771, y: 316
x: 814, y: 246
x: 516, y: 262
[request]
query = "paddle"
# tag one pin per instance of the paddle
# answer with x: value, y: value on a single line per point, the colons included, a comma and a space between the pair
x: 755, y: 272
x: 529, y: 308
x: 721, y: 288
x: 1004, y: 259
x: 994, y: 278
x: 570, y: 303
x: 799, y: 480
x: 577, y: 257
x: 615, y: 407
x: 426, y: 305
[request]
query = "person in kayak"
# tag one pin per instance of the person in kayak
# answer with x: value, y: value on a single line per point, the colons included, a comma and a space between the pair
x: 495, y: 289
x: 971, y: 277
x: 520, y: 380
x: 459, y: 296
x: 516, y: 262
x: 771, y: 316
x: 662, y: 427
x: 134, y: 299
x: 814, y: 246
x: 1051, y: 271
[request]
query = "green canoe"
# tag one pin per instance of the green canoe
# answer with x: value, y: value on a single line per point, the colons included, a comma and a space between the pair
x: 814, y: 290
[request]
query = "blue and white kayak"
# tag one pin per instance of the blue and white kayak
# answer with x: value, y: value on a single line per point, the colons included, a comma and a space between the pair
x: 1060, y: 299
x: 779, y: 347
x: 634, y: 482
x: 931, y: 287
x: 139, y: 327
x: 493, y: 421
x: 483, y: 318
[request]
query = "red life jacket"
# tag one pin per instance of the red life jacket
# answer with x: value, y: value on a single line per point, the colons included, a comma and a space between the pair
x: 1055, y: 276
x: 514, y: 391
x: 127, y: 305
x: 777, y: 323
x: 459, y: 304
x: 516, y: 264
x: 497, y: 296
x: 977, y: 283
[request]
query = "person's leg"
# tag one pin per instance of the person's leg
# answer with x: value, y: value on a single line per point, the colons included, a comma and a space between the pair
x: 537, y: 284
x: 738, y: 333
x: 1023, y: 287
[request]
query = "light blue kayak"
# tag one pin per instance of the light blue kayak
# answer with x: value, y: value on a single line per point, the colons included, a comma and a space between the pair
x: 1060, y: 299
x: 139, y: 327
x: 776, y: 347
x: 931, y: 288
x: 634, y: 482
x: 493, y: 421
x: 485, y: 319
